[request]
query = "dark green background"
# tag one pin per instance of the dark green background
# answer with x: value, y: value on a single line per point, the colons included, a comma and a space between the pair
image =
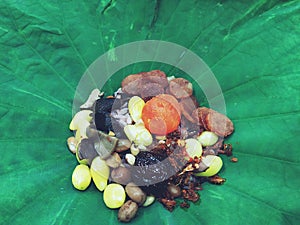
x: 251, y: 46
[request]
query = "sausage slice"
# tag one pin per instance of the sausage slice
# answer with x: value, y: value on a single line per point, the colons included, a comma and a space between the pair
x: 214, y: 121
x: 199, y: 115
x: 132, y: 84
x: 218, y: 123
x: 156, y: 76
x: 181, y: 88
x: 187, y: 106
x: 151, y: 90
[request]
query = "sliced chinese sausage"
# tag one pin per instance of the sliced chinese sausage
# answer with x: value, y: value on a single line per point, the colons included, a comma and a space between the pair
x: 219, y: 123
x: 187, y: 106
x: 130, y: 78
x: 167, y: 91
x: 132, y: 84
x: 214, y: 121
x: 151, y: 90
x: 181, y: 88
x: 155, y: 76
x: 199, y: 115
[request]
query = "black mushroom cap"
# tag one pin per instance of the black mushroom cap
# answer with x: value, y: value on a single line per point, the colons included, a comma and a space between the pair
x: 151, y: 173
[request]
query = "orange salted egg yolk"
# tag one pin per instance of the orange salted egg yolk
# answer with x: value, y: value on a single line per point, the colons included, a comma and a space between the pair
x: 161, y: 114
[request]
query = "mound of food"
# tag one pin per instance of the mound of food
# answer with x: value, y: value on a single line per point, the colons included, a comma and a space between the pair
x: 149, y: 141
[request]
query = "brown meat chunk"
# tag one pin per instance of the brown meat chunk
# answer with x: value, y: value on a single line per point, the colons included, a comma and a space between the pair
x: 219, y: 123
x: 214, y: 121
x: 181, y: 88
x: 151, y: 90
x: 132, y: 84
x: 187, y: 106
x: 199, y: 115
x: 167, y: 91
x: 155, y: 76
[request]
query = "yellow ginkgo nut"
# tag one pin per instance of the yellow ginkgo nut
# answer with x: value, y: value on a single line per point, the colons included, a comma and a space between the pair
x: 81, y: 177
x: 214, y: 164
x: 114, y: 196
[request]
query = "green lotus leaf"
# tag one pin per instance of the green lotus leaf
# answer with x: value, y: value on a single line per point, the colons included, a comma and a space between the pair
x: 252, y: 47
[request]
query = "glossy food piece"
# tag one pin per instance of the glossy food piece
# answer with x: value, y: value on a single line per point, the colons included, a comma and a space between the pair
x: 114, y: 196
x: 81, y: 177
x: 138, y: 84
x: 207, y: 138
x: 85, y: 151
x: 193, y: 147
x: 213, y: 121
x: 100, y: 173
x: 102, y: 110
x: 135, y: 193
x: 138, y: 134
x: 214, y: 164
x: 128, y: 211
x: 161, y: 115
x: 150, y: 172
x: 135, y: 107
x: 181, y: 88
x: 151, y: 89
x: 121, y: 175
